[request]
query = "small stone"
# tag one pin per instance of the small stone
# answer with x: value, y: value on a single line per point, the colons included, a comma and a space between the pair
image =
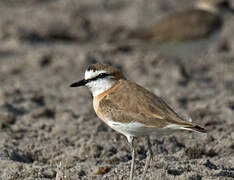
x: 195, y: 177
x: 114, y: 160
x: 48, y: 173
x: 102, y: 170
x: 175, y: 172
x: 211, y: 153
x: 46, y: 60
x: 228, y: 174
x: 194, y: 153
x: 38, y: 99
x: 112, y: 151
x: 210, y: 165
x: 81, y: 173
x: 6, y: 119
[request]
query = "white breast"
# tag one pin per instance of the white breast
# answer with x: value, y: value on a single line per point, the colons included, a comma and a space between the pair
x: 99, y: 86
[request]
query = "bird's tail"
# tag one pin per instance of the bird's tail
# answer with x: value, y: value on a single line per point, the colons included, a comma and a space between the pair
x: 194, y: 127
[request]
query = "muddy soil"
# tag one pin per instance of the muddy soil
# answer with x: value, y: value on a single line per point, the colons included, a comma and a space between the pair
x: 50, y: 130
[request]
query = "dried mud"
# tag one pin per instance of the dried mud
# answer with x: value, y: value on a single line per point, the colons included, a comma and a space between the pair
x: 49, y: 130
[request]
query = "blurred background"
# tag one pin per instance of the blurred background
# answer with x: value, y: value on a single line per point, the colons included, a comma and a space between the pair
x: 49, y: 130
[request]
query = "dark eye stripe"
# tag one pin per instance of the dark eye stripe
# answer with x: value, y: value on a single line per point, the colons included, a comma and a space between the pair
x: 100, y: 76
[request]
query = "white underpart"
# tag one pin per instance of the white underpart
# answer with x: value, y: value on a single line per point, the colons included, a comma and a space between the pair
x: 207, y: 7
x: 130, y: 129
x: 138, y: 129
x: 100, y: 85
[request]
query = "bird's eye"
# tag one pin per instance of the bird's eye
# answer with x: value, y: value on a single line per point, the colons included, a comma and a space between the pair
x: 102, y: 75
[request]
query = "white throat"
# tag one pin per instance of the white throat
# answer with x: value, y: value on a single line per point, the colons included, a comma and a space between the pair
x: 207, y: 7
x: 100, y: 85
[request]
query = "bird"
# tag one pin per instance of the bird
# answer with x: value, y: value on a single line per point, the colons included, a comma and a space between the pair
x: 197, y: 22
x: 187, y: 33
x: 131, y: 109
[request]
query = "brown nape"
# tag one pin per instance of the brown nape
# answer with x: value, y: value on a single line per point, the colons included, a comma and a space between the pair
x: 104, y: 67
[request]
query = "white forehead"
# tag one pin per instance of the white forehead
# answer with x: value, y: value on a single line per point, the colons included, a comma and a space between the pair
x: 90, y: 73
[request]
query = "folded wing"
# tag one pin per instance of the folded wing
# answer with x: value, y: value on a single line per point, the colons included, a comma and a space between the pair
x: 132, y: 103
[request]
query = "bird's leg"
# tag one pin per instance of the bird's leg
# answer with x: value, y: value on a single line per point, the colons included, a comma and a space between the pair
x: 149, y: 157
x: 130, y: 140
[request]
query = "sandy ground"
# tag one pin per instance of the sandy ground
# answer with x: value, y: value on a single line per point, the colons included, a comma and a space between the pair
x: 49, y: 129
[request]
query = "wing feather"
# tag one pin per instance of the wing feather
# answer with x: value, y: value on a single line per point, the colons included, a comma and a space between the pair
x: 133, y: 103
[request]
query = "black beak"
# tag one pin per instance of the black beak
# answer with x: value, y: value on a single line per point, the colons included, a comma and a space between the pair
x: 79, y: 83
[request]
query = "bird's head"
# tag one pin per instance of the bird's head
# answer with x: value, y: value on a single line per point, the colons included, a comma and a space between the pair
x: 99, y: 77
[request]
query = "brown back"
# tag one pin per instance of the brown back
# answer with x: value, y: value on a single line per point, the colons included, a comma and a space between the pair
x: 128, y: 102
